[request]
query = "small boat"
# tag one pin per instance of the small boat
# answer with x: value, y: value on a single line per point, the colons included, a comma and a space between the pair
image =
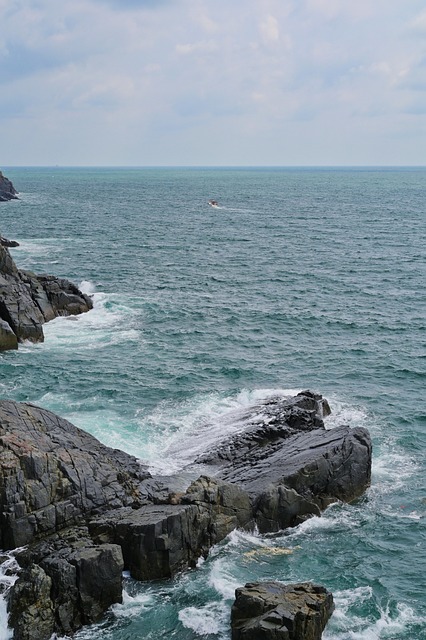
x: 213, y: 203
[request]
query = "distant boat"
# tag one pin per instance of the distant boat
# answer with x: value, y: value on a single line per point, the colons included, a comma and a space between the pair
x: 213, y: 203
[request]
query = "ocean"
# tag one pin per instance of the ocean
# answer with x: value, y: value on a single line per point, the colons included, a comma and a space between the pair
x: 303, y: 278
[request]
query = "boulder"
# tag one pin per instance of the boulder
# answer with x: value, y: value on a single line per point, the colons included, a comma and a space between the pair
x: 27, y: 301
x: 158, y: 540
x: 274, y: 611
x: 65, y: 582
x: 7, y: 190
x: 289, y: 464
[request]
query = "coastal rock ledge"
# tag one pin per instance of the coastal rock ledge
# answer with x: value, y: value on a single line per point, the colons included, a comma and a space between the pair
x: 7, y: 190
x: 28, y: 300
x: 84, y: 512
x: 274, y: 611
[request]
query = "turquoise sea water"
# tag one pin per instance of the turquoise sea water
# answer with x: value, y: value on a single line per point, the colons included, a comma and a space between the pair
x: 303, y: 278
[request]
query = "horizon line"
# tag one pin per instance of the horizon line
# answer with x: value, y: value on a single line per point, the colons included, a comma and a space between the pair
x: 215, y: 166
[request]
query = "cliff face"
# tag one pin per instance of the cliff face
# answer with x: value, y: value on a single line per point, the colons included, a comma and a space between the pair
x: 7, y: 190
x: 27, y: 301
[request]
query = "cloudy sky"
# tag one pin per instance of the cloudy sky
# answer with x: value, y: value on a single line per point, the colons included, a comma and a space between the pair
x: 212, y: 82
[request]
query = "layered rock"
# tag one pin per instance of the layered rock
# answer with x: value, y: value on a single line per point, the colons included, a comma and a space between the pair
x: 274, y: 611
x: 289, y: 464
x: 7, y: 190
x: 27, y: 301
x: 54, y: 477
x: 65, y: 582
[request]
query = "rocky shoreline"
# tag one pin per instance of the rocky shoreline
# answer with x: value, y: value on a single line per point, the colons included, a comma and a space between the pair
x: 7, y: 190
x: 76, y: 513
x: 85, y: 512
x: 28, y: 300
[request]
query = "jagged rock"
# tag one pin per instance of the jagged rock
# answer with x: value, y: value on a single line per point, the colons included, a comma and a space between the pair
x: 273, y: 611
x: 8, y: 338
x: 53, y: 475
x: 158, y: 540
x: 283, y: 468
x: 8, y: 243
x: 289, y: 465
x: 66, y: 581
x: 27, y: 301
x: 7, y: 190
x: 32, y: 615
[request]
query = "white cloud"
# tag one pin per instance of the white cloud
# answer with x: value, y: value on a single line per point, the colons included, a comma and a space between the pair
x: 196, y: 47
x: 141, y: 79
x: 269, y: 30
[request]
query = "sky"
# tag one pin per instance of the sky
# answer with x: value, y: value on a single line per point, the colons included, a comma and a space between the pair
x: 212, y: 82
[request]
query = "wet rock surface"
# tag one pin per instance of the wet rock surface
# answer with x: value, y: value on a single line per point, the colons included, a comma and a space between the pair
x: 28, y: 300
x: 274, y: 611
x: 78, y: 504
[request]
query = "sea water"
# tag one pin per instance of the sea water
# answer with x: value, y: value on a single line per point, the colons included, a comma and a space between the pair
x: 302, y: 278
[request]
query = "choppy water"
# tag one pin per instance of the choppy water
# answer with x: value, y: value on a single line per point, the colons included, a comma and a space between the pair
x: 304, y: 278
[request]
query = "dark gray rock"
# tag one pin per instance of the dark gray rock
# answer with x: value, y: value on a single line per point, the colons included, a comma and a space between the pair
x: 158, y: 540
x: 8, y: 243
x: 53, y: 475
x: 8, y: 338
x: 27, y: 301
x: 289, y: 464
x: 273, y: 611
x: 7, y: 190
x: 283, y: 468
x: 66, y: 581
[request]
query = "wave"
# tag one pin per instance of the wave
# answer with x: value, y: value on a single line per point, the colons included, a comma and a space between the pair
x: 110, y: 322
x: 349, y: 621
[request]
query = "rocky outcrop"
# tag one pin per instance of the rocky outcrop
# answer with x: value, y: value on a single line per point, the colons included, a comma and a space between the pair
x: 274, y: 611
x: 27, y: 301
x: 7, y: 190
x: 74, y: 501
x: 65, y: 582
x: 289, y: 464
x: 54, y: 475
x: 8, y: 243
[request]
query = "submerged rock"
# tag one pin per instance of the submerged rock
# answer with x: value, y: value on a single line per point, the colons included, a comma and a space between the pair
x: 7, y: 190
x: 274, y: 611
x: 27, y: 301
x: 78, y: 504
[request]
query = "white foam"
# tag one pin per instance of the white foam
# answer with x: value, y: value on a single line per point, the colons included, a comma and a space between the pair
x: 108, y: 323
x: 210, y: 619
x: 346, y: 413
x: 347, y: 624
x: 221, y: 578
x: 7, y: 580
x: 87, y: 287
x: 39, y: 247
x: 181, y: 433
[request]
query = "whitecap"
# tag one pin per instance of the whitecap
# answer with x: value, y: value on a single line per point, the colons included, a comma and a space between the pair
x: 347, y: 623
x: 182, y: 432
x: 210, y: 619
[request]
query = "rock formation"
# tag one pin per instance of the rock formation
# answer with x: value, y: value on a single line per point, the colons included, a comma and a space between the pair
x: 7, y: 190
x: 27, y: 301
x: 78, y: 504
x: 273, y: 611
